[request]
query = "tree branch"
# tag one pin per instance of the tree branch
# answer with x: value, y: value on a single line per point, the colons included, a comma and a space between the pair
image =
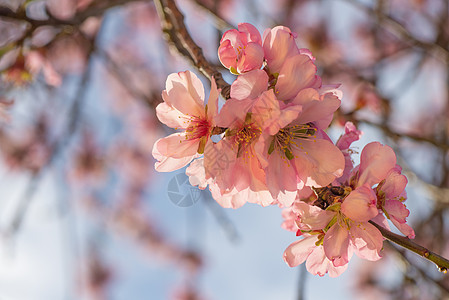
x: 96, y: 9
x: 441, y: 262
x: 172, y: 23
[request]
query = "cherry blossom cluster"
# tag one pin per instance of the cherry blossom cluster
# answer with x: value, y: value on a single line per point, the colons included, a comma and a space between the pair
x: 267, y: 145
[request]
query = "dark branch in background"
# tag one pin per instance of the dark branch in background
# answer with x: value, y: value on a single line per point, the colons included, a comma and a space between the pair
x: 57, y: 146
x: 395, y: 27
x: 94, y: 10
x: 302, y: 282
x: 402, y: 253
x: 395, y: 135
x: 176, y: 34
x: 220, y: 23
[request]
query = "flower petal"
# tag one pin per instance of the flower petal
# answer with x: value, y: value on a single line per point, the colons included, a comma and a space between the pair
x: 185, y: 92
x: 319, y: 162
x: 176, y: 146
x: 297, y: 73
x: 171, y: 117
x: 252, y: 58
x: 336, y: 243
x: 249, y: 85
x: 367, y: 240
x: 376, y: 161
x: 298, y: 251
x: 360, y: 204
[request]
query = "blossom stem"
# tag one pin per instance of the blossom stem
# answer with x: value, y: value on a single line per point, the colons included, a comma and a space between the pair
x: 172, y: 23
x: 441, y: 262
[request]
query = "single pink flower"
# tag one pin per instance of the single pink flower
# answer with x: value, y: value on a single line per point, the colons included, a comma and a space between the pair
x: 293, y: 148
x: 376, y: 161
x: 184, y: 108
x: 336, y: 237
x: 391, y: 195
x: 241, y: 50
x: 232, y: 164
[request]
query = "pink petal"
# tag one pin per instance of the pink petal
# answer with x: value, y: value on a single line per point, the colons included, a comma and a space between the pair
x: 319, y: 264
x: 227, y: 54
x: 252, y: 33
x: 280, y: 174
x: 297, y: 73
x: 171, y: 117
x: 289, y: 217
x: 360, y: 204
x: 232, y: 112
x: 394, y: 184
x: 233, y: 199
x: 252, y: 58
x: 367, y: 240
x: 351, y: 135
x: 398, y: 213
x: 262, y: 197
x: 319, y: 111
x: 278, y: 44
x: 185, y: 92
x: 376, y: 161
x: 305, y: 96
x: 176, y: 146
x: 169, y: 164
x: 197, y: 174
x: 249, y: 85
x: 267, y: 113
x: 319, y: 162
x: 298, y: 251
x: 286, y: 198
x: 336, y: 243
x: 311, y: 217
x: 212, y: 103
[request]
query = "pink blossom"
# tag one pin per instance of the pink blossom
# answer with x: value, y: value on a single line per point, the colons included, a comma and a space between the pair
x: 295, y: 150
x: 232, y: 163
x: 184, y: 108
x: 335, y: 238
x: 391, y: 195
x: 241, y: 50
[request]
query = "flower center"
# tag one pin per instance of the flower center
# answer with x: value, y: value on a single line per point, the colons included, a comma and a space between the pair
x: 244, y: 137
x: 289, y: 139
x: 197, y: 128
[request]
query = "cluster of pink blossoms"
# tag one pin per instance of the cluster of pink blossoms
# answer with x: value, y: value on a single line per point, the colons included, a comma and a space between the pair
x: 269, y: 147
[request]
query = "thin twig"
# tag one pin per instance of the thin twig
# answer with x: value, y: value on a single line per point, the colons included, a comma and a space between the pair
x: 56, y: 148
x: 96, y: 9
x: 441, y: 262
x: 220, y: 22
x: 172, y: 23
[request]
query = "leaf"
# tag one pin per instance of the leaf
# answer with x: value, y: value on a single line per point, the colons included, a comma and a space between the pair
x: 271, y: 148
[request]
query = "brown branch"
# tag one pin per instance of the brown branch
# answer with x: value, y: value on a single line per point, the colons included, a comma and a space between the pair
x: 393, y: 134
x: 96, y: 9
x: 398, y: 29
x: 172, y: 23
x: 220, y: 22
x: 441, y: 262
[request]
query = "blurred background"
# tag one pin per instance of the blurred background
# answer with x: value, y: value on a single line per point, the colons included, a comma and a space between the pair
x: 83, y: 214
